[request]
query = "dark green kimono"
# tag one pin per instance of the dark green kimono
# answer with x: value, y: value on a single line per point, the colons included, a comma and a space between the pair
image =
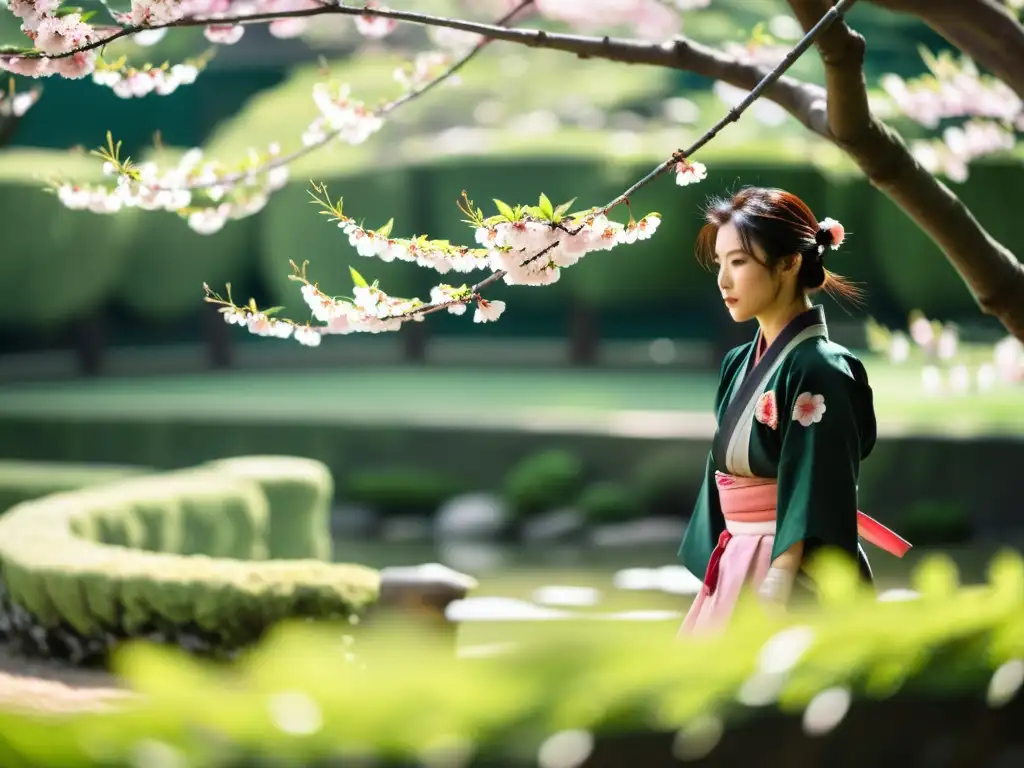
x: 816, y: 461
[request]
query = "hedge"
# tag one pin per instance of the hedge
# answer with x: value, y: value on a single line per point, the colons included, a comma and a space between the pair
x: 25, y: 480
x: 299, y: 492
x: 63, y: 265
x: 178, y: 557
x: 856, y: 681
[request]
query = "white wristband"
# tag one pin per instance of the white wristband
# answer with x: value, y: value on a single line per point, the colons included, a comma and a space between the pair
x: 777, y: 585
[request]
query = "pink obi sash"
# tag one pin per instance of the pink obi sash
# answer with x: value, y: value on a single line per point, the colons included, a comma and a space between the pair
x: 748, y: 505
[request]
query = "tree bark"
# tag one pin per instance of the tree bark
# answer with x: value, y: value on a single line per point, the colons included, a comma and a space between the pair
x: 992, y: 273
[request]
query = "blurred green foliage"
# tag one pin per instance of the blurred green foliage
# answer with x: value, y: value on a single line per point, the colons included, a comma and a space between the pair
x: 307, y: 695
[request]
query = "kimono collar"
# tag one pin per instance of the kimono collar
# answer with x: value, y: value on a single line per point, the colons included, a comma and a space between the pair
x: 813, y: 316
x: 730, y: 443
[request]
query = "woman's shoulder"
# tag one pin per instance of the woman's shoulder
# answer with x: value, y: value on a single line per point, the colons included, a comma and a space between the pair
x: 821, y: 359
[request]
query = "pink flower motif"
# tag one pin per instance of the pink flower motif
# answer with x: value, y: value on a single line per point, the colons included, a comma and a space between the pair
x: 836, y: 229
x: 808, y: 408
x: 767, y: 411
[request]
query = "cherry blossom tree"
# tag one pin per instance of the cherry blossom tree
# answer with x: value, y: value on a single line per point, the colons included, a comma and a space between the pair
x: 972, y: 101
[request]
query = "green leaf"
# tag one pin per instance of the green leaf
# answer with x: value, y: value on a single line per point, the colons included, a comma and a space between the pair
x: 88, y: 15
x: 67, y: 10
x: 358, y: 279
x: 272, y: 310
x: 385, y: 231
x: 546, y: 208
x: 559, y: 212
x: 505, y: 210
x: 930, y: 61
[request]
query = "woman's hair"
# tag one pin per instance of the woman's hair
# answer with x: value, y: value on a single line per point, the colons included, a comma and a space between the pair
x: 783, y: 225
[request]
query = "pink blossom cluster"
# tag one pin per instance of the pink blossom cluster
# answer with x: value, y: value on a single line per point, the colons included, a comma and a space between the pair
x: 955, y: 89
x: 959, y: 92
x: 144, y: 186
x: 370, y: 310
x: 534, y: 252
x: 959, y: 145
x: 52, y: 34
x: 944, y: 369
x: 129, y: 83
x: 442, y: 257
x: 506, y: 246
x: 529, y: 251
x: 647, y: 19
x: 423, y: 69
x: 340, y: 116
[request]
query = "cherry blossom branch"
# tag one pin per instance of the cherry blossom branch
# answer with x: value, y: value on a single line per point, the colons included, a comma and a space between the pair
x: 385, y: 109
x: 990, y: 270
x: 486, y: 30
x: 683, y: 155
x: 985, y: 30
x: 373, y: 310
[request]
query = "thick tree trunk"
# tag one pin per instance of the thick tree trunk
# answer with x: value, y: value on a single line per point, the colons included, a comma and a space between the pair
x: 992, y: 273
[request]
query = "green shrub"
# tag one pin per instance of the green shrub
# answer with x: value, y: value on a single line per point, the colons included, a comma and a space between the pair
x: 299, y: 491
x: 543, y: 482
x: 608, y: 503
x: 173, y: 556
x: 932, y: 522
x: 25, y: 480
x: 668, y: 480
x: 401, y: 492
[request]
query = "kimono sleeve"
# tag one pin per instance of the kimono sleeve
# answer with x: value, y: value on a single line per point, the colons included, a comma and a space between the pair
x: 705, y: 525
x: 824, y: 422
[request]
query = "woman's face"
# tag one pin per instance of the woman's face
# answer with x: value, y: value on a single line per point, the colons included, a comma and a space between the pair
x: 749, y: 288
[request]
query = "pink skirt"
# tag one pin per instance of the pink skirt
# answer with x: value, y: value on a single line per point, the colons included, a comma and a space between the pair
x: 744, y: 564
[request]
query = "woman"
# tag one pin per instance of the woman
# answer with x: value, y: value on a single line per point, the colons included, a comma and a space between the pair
x: 794, y: 410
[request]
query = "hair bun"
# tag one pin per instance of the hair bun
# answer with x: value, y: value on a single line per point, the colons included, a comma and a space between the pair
x: 830, y: 233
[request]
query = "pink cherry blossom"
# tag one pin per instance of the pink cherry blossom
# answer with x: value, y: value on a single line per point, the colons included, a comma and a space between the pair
x: 29, y: 67
x: 224, y: 34
x: 767, y: 410
x: 375, y: 27
x: 808, y: 409
x: 488, y: 311
x: 76, y: 66
x: 690, y: 172
x: 836, y: 229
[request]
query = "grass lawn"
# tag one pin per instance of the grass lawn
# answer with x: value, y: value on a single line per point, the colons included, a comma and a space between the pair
x: 494, y: 396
